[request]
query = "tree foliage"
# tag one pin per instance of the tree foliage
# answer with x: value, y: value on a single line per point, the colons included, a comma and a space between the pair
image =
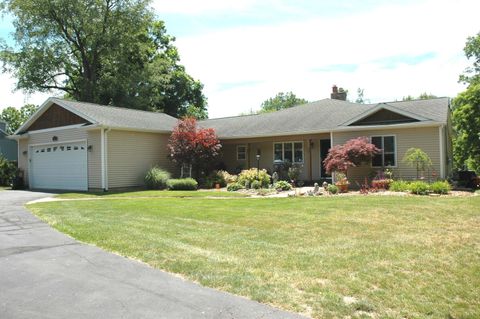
x: 418, y: 159
x: 360, y: 96
x: 103, y: 51
x: 422, y: 96
x: 281, y: 101
x: 193, y: 146
x: 466, y: 112
x: 351, y: 154
x: 16, y: 117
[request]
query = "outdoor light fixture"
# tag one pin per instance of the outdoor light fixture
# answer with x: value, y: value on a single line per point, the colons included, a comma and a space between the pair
x: 55, y: 138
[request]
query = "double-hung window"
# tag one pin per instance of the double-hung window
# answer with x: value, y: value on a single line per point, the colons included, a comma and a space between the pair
x: 241, y: 152
x: 387, y: 156
x: 288, y: 152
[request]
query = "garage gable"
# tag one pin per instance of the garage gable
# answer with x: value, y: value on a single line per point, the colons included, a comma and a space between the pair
x: 56, y: 116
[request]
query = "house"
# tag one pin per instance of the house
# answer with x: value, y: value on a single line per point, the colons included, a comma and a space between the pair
x: 80, y: 146
x: 8, y: 147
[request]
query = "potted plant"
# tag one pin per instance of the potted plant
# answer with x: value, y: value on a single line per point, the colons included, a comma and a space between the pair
x: 342, y: 182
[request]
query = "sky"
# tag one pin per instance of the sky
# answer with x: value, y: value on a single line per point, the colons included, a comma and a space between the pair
x: 245, y: 52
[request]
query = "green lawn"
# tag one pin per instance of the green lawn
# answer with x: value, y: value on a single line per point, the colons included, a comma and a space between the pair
x: 332, y: 257
x: 2, y: 188
x: 150, y: 193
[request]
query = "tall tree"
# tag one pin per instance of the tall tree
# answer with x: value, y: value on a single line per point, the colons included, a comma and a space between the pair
x: 16, y: 117
x: 466, y: 112
x: 103, y: 51
x: 422, y: 96
x: 281, y: 101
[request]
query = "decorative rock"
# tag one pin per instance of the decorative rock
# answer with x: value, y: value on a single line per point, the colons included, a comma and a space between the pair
x: 316, y: 188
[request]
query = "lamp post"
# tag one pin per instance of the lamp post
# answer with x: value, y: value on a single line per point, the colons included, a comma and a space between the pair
x: 258, y: 166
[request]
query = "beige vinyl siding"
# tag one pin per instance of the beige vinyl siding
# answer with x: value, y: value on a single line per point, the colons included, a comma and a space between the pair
x: 68, y: 134
x: 94, y: 159
x: 130, y: 154
x: 265, y: 145
x: 425, y: 138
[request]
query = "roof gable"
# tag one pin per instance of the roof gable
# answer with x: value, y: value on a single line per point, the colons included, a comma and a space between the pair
x: 56, y: 116
x: 384, y: 117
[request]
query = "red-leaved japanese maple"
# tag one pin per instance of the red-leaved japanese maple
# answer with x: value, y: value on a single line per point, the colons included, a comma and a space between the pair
x: 354, y: 152
x: 193, y: 146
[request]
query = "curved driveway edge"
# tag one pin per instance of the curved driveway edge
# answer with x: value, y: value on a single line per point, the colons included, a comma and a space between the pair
x: 46, y: 274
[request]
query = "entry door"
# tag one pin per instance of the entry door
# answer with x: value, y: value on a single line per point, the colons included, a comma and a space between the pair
x: 324, y: 148
x: 59, y: 166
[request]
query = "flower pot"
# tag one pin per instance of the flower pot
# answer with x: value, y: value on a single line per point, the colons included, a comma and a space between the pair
x: 342, y: 188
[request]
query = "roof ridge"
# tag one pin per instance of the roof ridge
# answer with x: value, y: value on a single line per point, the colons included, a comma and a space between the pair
x: 115, y: 107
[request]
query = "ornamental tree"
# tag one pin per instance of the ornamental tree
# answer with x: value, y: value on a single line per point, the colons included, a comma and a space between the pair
x: 418, y: 159
x: 192, y: 146
x: 351, y: 154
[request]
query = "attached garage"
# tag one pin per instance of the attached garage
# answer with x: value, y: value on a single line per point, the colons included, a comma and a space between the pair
x: 59, y: 166
x: 69, y: 145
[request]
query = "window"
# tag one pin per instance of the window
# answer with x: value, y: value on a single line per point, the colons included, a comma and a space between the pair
x: 387, y: 156
x: 241, y: 152
x: 288, y: 152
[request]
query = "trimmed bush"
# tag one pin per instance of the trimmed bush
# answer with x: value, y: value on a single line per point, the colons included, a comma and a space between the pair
x: 419, y: 188
x: 156, y: 178
x: 332, y: 189
x: 282, y: 186
x: 256, y: 185
x: 246, y: 177
x: 229, y: 178
x: 399, y: 186
x: 7, y: 171
x: 381, y: 183
x: 440, y: 187
x: 216, y: 177
x: 233, y: 187
x: 182, y: 184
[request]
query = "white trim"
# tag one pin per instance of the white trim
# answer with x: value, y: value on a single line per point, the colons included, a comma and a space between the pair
x: 441, y: 139
x: 106, y: 158
x: 388, y: 107
x: 58, y: 142
x: 242, y: 159
x: 383, y: 153
x: 102, y: 156
x: 293, y: 151
x: 58, y: 128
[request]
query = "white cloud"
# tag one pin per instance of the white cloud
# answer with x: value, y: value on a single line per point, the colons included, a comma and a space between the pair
x: 282, y: 57
x: 194, y: 7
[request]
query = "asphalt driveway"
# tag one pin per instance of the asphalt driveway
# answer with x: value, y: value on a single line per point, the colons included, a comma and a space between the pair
x: 46, y: 274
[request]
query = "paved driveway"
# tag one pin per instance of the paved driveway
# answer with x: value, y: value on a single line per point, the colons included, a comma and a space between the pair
x: 45, y: 274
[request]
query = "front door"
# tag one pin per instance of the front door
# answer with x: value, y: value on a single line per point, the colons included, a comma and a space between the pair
x: 324, y: 148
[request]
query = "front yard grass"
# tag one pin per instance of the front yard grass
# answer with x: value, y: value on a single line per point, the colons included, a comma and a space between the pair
x: 335, y: 257
x: 149, y: 193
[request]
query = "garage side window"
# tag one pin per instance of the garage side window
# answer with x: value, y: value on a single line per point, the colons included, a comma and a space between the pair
x: 387, y: 156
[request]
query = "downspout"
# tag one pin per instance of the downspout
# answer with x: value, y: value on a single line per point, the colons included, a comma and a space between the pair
x: 103, y: 157
x: 441, y: 138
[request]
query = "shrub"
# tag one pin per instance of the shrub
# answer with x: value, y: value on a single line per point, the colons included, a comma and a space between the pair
x: 332, y: 189
x: 256, y: 184
x: 399, y: 186
x: 381, y: 183
x: 246, y: 177
x: 7, y: 171
x: 186, y: 184
x: 156, y: 178
x: 229, y: 178
x: 282, y: 186
x: 419, y: 187
x: 440, y: 187
x: 216, y: 177
x: 233, y: 187
x: 294, y: 172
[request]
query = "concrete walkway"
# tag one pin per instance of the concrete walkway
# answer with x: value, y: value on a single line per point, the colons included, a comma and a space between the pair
x: 45, y: 274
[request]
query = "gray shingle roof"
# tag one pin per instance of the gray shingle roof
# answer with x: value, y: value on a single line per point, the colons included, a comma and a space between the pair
x: 315, y: 117
x: 320, y: 116
x: 119, y: 117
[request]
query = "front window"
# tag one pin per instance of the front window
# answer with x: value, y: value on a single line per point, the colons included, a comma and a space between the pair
x: 241, y: 152
x: 288, y: 152
x: 387, y: 156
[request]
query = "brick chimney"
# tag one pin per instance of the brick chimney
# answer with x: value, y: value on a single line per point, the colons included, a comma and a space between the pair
x: 338, y: 93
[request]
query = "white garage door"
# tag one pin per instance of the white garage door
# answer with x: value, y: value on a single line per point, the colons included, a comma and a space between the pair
x: 59, y: 166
